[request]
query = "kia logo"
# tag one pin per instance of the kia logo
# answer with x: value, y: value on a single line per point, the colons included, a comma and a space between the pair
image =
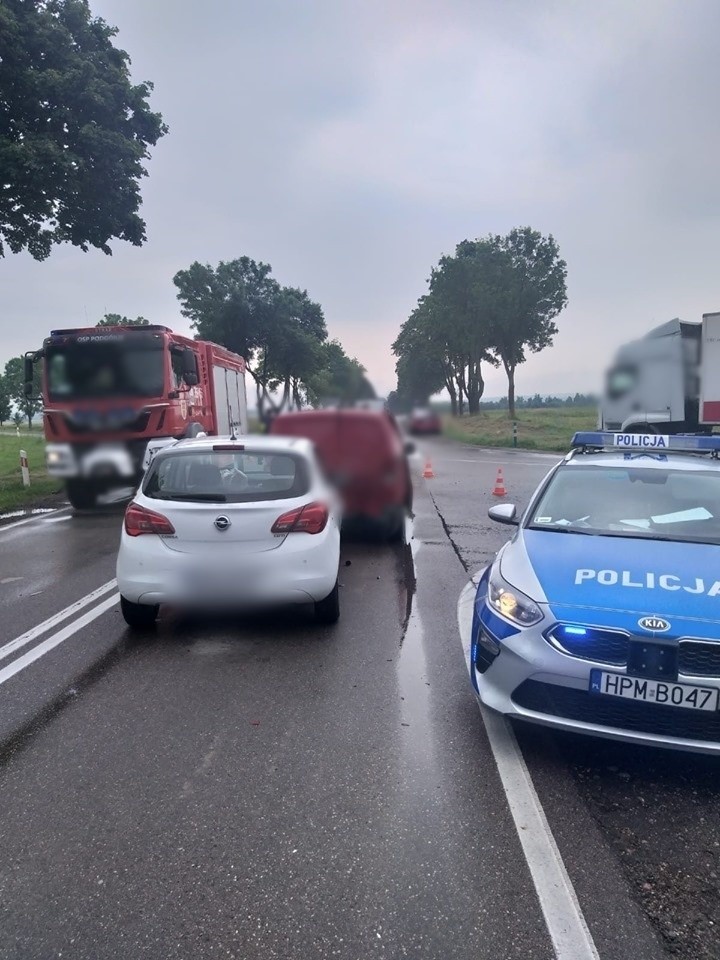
x: 222, y: 523
x: 654, y: 624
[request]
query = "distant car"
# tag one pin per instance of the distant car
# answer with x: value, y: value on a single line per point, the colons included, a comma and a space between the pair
x: 602, y: 614
x: 363, y: 455
x: 424, y: 421
x: 231, y: 523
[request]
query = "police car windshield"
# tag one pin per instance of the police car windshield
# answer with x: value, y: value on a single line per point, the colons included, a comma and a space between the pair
x: 632, y: 501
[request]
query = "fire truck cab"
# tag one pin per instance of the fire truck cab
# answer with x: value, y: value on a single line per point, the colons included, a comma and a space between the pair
x: 108, y: 391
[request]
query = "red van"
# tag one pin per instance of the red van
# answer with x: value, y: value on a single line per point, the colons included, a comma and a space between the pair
x: 363, y: 453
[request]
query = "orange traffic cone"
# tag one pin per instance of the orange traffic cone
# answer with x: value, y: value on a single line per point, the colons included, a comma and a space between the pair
x: 499, y: 490
x: 428, y: 471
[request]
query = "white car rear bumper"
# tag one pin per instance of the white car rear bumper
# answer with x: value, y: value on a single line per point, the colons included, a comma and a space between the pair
x: 303, y: 569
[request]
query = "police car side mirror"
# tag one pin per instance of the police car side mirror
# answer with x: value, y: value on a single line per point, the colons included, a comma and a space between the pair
x: 504, y: 513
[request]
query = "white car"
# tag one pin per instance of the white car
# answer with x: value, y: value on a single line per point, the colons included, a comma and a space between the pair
x: 231, y: 523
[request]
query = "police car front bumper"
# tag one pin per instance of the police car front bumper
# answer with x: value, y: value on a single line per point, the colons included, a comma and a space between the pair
x: 523, y: 676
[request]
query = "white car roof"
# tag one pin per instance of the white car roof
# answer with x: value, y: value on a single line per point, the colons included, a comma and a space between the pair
x: 254, y: 442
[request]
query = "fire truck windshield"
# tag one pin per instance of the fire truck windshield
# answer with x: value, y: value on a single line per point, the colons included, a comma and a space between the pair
x: 81, y: 370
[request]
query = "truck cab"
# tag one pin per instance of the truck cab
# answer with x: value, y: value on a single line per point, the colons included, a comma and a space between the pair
x: 107, y: 391
x: 654, y: 382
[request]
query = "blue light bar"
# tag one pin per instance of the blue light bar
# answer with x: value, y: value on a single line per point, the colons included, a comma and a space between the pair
x: 654, y: 442
x: 575, y: 631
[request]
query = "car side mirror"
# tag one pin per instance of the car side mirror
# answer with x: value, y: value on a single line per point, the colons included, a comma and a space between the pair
x: 504, y: 513
x: 410, y: 448
x: 189, y: 368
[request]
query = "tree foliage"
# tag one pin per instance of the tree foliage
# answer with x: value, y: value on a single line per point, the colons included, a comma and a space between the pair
x: 15, y: 385
x: 117, y: 320
x: 339, y: 379
x: 5, y: 401
x: 493, y: 301
x: 74, y: 130
x: 279, y: 330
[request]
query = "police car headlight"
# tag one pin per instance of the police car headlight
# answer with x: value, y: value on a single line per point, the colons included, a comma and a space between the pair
x: 509, y: 602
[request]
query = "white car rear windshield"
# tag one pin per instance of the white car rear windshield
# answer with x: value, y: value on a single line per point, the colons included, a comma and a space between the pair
x: 227, y: 477
x: 631, y: 501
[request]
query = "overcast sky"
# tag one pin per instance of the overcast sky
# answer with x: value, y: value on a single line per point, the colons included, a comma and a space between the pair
x: 351, y: 143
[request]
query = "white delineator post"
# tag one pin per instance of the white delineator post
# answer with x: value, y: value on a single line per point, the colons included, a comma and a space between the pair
x: 24, y: 469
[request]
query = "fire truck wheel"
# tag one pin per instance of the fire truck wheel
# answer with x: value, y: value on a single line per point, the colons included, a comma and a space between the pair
x: 82, y: 494
x: 138, y: 616
x: 192, y: 430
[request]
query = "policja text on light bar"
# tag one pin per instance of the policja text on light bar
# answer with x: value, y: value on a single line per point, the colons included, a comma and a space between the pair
x: 647, y: 441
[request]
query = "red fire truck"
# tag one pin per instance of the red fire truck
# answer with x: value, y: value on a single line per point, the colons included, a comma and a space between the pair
x: 108, y: 392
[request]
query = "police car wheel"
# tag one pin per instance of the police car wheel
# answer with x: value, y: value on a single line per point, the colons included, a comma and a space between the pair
x: 138, y: 616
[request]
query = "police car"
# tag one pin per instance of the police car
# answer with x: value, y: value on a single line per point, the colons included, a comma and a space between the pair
x: 602, y: 614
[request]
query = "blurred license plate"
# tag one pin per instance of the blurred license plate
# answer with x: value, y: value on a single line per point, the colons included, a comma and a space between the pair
x: 654, y: 691
x: 209, y: 581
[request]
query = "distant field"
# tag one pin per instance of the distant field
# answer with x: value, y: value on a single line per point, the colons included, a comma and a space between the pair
x: 12, y: 492
x: 549, y: 429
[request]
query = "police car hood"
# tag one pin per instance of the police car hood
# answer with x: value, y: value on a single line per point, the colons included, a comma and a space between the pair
x: 613, y: 579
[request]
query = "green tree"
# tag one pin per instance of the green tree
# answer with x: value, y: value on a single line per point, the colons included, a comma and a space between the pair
x: 5, y: 401
x: 116, y: 320
x: 340, y: 378
x: 17, y: 419
x: 15, y: 382
x: 74, y: 130
x: 279, y: 330
x: 493, y: 301
x: 432, y: 351
x: 526, y: 293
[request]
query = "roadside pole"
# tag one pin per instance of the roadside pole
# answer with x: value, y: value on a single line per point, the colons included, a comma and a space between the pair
x: 24, y: 468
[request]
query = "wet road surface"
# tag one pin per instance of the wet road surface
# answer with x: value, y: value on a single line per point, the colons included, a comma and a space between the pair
x: 262, y: 787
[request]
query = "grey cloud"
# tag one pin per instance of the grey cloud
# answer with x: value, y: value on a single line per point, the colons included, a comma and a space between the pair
x: 351, y: 144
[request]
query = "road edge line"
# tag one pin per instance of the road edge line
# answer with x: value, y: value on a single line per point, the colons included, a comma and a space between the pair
x: 560, y: 907
x: 8, y: 672
x: 12, y: 645
x: 40, y: 516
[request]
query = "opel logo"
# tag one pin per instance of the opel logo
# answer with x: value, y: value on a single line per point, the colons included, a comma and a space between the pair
x: 654, y: 624
x: 222, y: 523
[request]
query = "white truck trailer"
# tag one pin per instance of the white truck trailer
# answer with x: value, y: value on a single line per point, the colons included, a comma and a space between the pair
x: 666, y: 382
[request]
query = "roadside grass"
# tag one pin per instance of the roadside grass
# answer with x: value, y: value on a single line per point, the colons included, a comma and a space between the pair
x: 12, y: 492
x: 549, y: 429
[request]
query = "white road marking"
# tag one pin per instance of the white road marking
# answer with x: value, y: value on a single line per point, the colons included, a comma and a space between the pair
x: 57, y: 618
x: 56, y: 639
x: 20, y: 523
x: 564, y: 918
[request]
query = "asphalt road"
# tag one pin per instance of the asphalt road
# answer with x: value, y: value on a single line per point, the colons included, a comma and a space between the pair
x: 260, y: 788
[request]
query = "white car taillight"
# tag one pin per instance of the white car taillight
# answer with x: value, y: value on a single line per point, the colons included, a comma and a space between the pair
x: 311, y: 518
x: 139, y: 520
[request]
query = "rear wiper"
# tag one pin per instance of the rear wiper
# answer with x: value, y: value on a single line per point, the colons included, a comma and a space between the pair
x: 201, y: 497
